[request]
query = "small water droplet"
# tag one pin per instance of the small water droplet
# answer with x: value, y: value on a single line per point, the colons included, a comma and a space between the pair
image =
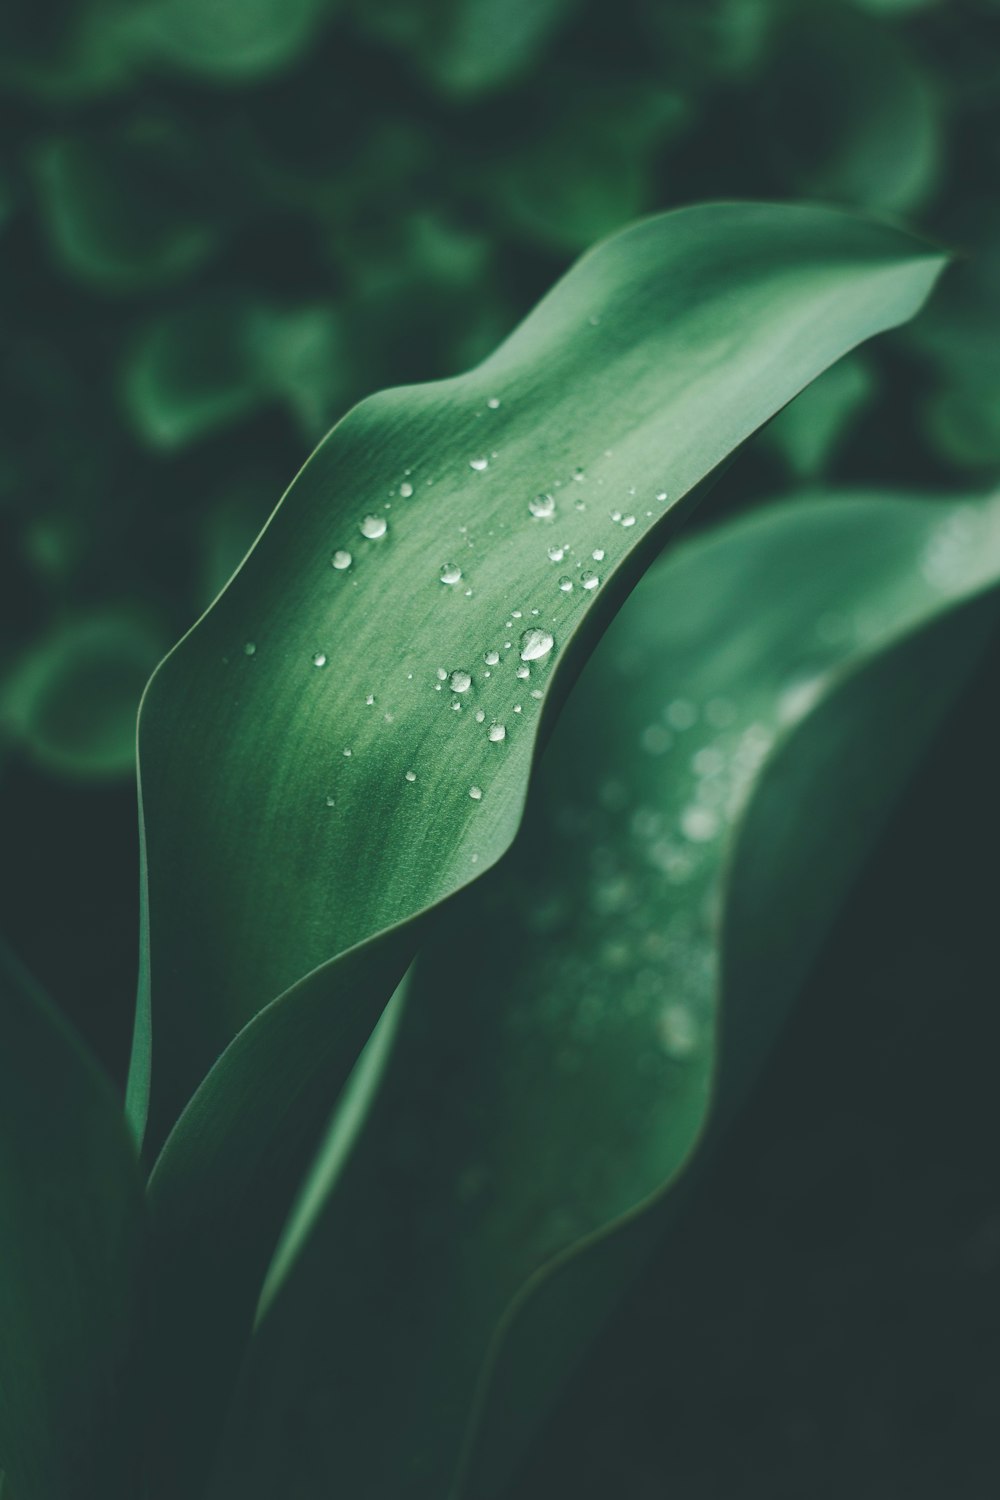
x: 589, y: 580
x: 523, y: 671
x: 441, y: 674
x: 628, y: 520
x: 517, y: 708
x: 331, y: 801
x: 516, y: 613
x: 566, y: 584
x: 535, y: 643
x: 406, y: 489
x: 661, y: 495
x: 411, y: 775
x: 370, y: 699
x: 616, y: 516
x: 699, y: 824
x: 493, y: 402
x: 680, y: 714
x: 250, y: 648
x: 460, y: 681
x: 556, y: 554
x: 543, y: 506
x: 475, y: 792
x: 341, y: 560
x: 347, y: 751
x: 491, y: 658
x: 480, y: 715
x: 479, y: 464
x: 450, y: 574
x: 496, y: 733
x: 373, y: 527
x: 598, y: 554
x: 319, y: 659
x: 536, y: 692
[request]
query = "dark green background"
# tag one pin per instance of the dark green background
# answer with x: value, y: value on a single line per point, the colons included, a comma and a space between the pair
x: 223, y: 223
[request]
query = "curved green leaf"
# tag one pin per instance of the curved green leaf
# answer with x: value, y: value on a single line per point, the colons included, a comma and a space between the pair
x: 559, y: 1047
x: 307, y: 752
x: 70, y: 1241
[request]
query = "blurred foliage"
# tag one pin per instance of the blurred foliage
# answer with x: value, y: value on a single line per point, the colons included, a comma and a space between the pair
x: 223, y: 223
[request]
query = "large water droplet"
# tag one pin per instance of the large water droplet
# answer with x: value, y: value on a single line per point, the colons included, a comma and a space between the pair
x: 460, y: 681
x: 373, y: 527
x: 496, y: 733
x: 450, y: 574
x: 475, y: 792
x: 536, y: 643
x: 319, y: 659
x: 589, y: 580
x: 543, y: 506
x: 341, y: 560
x: 479, y: 464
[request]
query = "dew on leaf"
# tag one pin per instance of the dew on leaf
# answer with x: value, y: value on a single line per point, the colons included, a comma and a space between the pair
x: 566, y: 584
x: 341, y: 560
x: 406, y: 489
x: 535, y: 644
x: 589, y: 580
x: 411, y: 775
x: 491, y: 658
x: 542, y: 506
x: 450, y: 573
x: 250, y: 648
x: 475, y: 792
x: 460, y: 681
x: 319, y: 659
x: 373, y: 527
x: 479, y: 464
x: 496, y: 733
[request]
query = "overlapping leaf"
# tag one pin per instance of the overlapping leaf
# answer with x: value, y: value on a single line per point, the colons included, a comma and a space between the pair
x: 307, y: 752
x: 729, y: 755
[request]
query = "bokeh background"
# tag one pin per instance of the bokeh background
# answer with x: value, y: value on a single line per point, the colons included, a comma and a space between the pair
x: 224, y: 221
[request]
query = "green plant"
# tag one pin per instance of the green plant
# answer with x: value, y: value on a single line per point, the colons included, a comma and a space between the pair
x: 331, y: 759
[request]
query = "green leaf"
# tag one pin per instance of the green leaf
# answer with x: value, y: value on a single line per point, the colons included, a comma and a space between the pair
x: 306, y: 757
x: 223, y: 40
x: 778, y: 673
x: 70, y: 1242
x: 71, y: 701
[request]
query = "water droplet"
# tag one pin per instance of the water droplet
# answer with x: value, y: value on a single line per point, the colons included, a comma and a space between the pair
x: 556, y: 554
x: 319, y: 659
x: 406, y: 489
x: 441, y: 674
x: 535, y: 643
x: 347, y: 751
x: 496, y: 733
x: 460, y: 681
x: 480, y: 715
x: 450, y: 574
x: 331, y: 801
x: 678, y: 1032
x: 680, y: 714
x: 341, y: 560
x: 516, y: 613
x: 517, y: 708
x: 479, y: 464
x: 523, y: 671
x: 370, y: 699
x: 598, y: 554
x: 628, y: 520
x: 543, y: 506
x: 475, y: 792
x: 566, y: 584
x: 699, y: 824
x: 373, y: 527
x: 491, y: 658
x: 536, y: 693
x: 411, y: 775
x: 493, y: 402
x: 589, y: 580
x: 249, y: 649
x: 616, y: 516
x: 456, y: 705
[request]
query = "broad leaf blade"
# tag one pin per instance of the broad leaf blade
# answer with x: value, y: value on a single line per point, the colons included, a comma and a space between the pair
x: 559, y: 1049
x: 70, y: 1242
x: 270, y: 849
